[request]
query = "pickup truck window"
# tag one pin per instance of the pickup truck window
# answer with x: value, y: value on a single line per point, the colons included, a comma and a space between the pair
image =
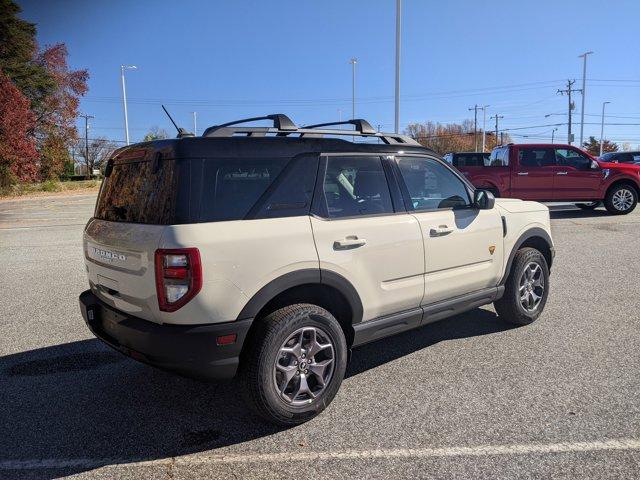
x: 431, y: 185
x: 566, y: 157
x: 536, y: 157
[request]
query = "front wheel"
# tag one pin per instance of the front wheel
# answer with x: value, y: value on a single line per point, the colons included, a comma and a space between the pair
x: 621, y: 199
x: 294, y: 365
x: 526, y: 289
x: 588, y: 206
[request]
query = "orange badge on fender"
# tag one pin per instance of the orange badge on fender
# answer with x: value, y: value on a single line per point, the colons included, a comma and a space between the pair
x: 492, y: 248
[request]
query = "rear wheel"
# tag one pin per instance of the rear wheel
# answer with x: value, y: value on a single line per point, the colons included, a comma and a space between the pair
x: 588, y: 205
x: 526, y: 289
x: 295, y: 364
x: 621, y: 199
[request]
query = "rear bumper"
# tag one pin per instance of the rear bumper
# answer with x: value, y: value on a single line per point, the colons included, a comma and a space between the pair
x: 190, y: 350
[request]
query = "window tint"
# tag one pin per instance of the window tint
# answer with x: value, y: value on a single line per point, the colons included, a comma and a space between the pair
x: 499, y: 158
x: 292, y: 191
x: 431, y: 185
x: 356, y: 186
x: 570, y: 158
x: 135, y: 192
x: 230, y: 187
x: 536, y: 157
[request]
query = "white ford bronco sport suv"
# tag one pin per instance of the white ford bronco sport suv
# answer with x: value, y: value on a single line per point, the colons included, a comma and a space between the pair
x: 268, y: 253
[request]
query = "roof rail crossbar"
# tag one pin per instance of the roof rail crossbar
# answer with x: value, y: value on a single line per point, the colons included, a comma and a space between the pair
x: 280, y: 122
x: 361, y: 125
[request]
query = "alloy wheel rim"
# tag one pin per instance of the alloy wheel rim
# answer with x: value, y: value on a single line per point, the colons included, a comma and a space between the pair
x: 622, y: 199
x: 531, y: 287
x: 304, y: 366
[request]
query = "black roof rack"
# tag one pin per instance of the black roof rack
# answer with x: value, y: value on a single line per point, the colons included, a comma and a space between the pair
x: 283, y: 126
x: 361, y: 125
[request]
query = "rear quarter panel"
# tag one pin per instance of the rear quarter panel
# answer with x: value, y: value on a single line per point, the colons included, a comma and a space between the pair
x: 238, y: 259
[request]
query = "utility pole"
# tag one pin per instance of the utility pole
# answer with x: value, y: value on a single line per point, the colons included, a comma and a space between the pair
x: 584, y: 86
x: 339, y: 114
x: 86, y: 140
x: 497, y: 117
x: 475, y: 125
x: 552, y: 132
x: 602, y: 128
x: 195, y: 123
x: 484, y: 126
x: 568, y: 92
x: 353, y: 62
x: 398, y: 32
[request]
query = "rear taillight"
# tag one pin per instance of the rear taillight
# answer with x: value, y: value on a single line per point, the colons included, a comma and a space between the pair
x: 178, y: 277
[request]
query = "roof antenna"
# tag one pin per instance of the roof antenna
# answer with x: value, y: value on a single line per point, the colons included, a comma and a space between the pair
x: 181, y: 131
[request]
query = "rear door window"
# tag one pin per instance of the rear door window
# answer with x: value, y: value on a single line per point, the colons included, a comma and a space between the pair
x: 532, y: 157
x: 355, y: 186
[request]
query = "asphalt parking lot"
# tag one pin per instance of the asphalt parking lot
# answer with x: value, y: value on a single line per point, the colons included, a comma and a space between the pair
x: 468, y: 397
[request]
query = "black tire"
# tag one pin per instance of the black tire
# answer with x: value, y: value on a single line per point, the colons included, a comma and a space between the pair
x: 588, y: 206
x: 258, y: 367
x: 510, y: 307
x: 625, y: 191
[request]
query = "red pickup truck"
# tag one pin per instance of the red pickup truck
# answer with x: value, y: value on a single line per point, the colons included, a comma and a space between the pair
x: 557, y: 173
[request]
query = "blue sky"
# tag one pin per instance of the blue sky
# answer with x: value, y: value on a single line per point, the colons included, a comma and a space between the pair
x: 232, y: 59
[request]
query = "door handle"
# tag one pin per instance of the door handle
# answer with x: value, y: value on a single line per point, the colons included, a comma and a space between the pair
x: 440, y: 231
x: 349, y: 242
x: 562, y: 173
x: 522, y: 174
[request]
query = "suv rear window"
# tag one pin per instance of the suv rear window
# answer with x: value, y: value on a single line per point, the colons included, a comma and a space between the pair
x: 186, y: 191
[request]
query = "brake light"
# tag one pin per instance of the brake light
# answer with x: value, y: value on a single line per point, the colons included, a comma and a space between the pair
x: 178, y: 277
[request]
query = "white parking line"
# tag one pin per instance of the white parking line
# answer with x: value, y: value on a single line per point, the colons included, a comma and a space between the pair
x: 384, y: 453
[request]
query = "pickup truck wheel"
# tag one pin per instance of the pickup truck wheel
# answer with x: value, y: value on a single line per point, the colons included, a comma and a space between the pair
x: 588, y: 206
x: 621, y: 199
x: 526, y: 289
x: 295, y: 364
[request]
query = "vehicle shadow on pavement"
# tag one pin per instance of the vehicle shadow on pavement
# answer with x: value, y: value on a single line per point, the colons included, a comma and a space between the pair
x: 577, y: 213
x: 470, y: 324
x: 81, y: 400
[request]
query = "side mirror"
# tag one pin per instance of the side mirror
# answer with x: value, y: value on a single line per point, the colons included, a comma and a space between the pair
x: 483, y: 199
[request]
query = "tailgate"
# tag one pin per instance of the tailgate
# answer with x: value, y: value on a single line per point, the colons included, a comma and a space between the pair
x: 120, y: 265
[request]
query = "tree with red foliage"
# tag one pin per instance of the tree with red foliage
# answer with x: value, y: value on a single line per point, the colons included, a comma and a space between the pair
x: 55, y: 129
x: 17, y: 150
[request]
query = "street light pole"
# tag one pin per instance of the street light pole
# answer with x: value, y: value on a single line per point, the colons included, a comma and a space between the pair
x: 484, y: 126
x: 552, y: 132
x: 124, y: 99
x: 195, y: 123
x: 353, y: 62
x: 475, y: 125
x: 584, y: 84
x: 602, y: 128
x: 398, y: 36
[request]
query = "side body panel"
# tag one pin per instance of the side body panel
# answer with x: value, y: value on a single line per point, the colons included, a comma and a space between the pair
x: 386, y: 270
x: 238, y: 259
x: 467, y: 259
x: 530, y: 182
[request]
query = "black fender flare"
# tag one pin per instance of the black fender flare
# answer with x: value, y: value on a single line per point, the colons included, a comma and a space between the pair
x: 531, y: 233
x: 299, y: 278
